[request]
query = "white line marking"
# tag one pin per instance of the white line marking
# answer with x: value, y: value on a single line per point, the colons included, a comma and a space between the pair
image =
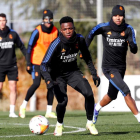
x: 79, y: 129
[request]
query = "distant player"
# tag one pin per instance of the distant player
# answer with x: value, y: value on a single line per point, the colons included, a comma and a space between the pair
x: 61, y: 57
x: 9, y: 39
x: 117, y: 36
x: 39, y: 42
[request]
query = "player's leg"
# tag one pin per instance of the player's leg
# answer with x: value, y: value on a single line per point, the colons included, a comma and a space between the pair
x: 111, y: 95
x: 12, y: 74
x: 62, y: 99
x: 117, y: 81
x: 2, y: 77
x: 36, y: 76
x: 13, y: 97
x: 1, y: 85
x: 50, y: 97
x: 132, y: 105
x: 80, y: 83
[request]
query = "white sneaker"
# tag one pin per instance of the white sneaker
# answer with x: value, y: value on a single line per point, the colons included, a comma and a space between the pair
x: 50, y: 115
x: 58, y: 130
x: 13, y: 115
x: 91, y: 127
x: 22, y: 112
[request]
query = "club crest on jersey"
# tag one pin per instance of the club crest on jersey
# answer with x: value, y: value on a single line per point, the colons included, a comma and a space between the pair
x: 10, y: 36
x: 122, y: 33
x: 0, y: 38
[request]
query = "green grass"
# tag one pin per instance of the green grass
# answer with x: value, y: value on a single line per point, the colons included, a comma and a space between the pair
x: 117, y: 126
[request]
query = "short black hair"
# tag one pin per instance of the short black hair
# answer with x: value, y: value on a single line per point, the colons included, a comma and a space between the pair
x: 2, y: 15
x: 65, y: 20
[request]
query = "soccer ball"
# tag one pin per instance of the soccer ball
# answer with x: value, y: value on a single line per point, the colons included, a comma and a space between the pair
x: 39, y: 125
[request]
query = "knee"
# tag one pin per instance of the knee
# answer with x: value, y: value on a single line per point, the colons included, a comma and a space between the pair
x: 13, y: 88
x: 128, y: 96
x: 63, y: 103
x: 88, y: 94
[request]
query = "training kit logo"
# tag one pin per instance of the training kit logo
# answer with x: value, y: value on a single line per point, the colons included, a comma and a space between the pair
x: 36, y: 73
x: 122, y: 33
x: 63, y: 50
x: 84, y: 76
x: 109, y: 33
x: 81, y: 56
x: 45, y: 12
x: 28, y: 68
x: 112, y: 75
x: 0, y: 38
x: 10, y: 36
x: 121, y: 8
x: 137, y: 93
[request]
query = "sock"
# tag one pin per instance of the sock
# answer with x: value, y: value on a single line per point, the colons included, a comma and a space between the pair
x: 98, y: 106
x: 24, y: 104
x: 12, y: 108
x: 138, y: 117
x: 89, y: 121
x: 49, y: 109
x: 59, y: 123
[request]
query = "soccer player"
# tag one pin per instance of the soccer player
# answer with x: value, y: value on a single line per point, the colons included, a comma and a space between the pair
x: 9, y: 39
x: 61, y: 57
x: 117, y: 36
x: 38, y: 44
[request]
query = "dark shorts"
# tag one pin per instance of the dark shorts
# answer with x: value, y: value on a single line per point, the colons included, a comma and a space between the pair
x: 77, y: 81
x: 116, y: 83
x: 10, y: 71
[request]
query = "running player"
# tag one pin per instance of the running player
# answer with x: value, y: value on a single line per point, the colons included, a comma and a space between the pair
x: 117, y: 36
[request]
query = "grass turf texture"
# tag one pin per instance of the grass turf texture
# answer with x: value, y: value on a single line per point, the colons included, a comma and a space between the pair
x: 117, y: 126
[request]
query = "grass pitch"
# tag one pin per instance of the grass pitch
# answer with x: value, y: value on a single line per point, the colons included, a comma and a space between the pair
x: 111, y: 126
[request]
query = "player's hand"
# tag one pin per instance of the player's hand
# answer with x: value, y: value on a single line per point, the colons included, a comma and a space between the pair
x: 29, y: 68
x: 49, y: 84
x: 96, y: 80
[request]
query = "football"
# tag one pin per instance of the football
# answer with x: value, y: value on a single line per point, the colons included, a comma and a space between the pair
x: 39, y: 125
